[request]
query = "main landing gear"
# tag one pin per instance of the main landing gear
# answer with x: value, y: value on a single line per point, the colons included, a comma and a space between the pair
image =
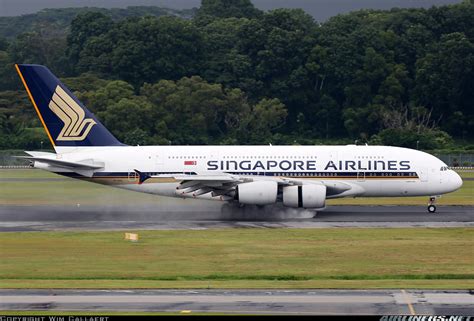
x: 432, y: 204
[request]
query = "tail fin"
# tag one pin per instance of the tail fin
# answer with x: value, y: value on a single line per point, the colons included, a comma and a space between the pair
x: 65, y: 119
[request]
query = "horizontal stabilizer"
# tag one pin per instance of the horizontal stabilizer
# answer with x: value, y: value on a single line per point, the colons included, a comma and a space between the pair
x: 84, y: 167
x: 85, y: 164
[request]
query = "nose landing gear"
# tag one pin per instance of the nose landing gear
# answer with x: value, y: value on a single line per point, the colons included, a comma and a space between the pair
x: 432, y: 204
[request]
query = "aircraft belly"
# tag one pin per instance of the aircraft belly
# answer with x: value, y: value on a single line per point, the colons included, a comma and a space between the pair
x: 396, y: 189
x: 163, y: 189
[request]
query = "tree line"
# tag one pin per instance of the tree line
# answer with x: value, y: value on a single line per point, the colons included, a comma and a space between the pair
x: 232, y: 74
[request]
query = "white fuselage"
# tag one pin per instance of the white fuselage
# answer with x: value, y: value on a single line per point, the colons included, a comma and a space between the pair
x: 367, y: 170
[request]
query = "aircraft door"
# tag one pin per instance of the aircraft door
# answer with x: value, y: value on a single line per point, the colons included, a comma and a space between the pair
x: 423, y: 173
x: 360, y: 176
x: 159, y: 161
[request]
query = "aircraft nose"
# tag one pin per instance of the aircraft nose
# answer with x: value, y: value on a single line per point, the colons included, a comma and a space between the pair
x: 455, y: 181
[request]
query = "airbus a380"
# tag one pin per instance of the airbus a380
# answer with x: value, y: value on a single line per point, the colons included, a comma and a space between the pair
x: 297, y: 176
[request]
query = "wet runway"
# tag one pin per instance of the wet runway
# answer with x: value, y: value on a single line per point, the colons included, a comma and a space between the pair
x: 203, y: 215
x: 323, y: 302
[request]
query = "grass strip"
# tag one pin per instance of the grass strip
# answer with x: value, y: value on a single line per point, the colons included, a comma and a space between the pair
x: 237, y: 284
x: 241, y: 257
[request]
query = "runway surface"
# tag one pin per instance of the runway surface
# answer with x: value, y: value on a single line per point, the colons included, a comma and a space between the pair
x: 206, y: 215
x: 323, y: 302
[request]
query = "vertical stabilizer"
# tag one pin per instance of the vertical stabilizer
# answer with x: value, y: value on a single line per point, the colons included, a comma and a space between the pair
x: 65, y: 119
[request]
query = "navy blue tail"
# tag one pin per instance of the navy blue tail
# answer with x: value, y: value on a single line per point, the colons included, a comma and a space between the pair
x: 66, y: 120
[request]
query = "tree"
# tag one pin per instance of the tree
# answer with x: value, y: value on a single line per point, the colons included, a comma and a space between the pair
x: 227, y: 9
x: 444, y: 80
x: 145, y: 50
x: 41, y: 47
x: 85, y: 82
x: 84, y: 27
x: 129, y: 120
x: 192, y: 111
x: 108, y: 95
x: 223, y: 62
x: 278, y: 45
x: 209, y: 79
x: 412, y: 127
x: 265, y: 117
x: 3, y: 44
x: 8, y: 78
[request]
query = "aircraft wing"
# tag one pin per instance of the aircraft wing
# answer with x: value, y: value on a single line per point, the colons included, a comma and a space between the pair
x: 223, y: 184
x: 205, y: 178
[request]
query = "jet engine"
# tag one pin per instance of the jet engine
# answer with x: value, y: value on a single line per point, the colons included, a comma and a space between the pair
x: 305, y: 196
x: 257, y: 193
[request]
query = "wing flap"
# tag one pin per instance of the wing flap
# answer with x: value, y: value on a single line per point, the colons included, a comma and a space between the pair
x: 190, y: 180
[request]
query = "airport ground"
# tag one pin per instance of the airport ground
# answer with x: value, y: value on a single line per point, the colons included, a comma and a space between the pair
x: 292, y: 302
x: 58, y: 234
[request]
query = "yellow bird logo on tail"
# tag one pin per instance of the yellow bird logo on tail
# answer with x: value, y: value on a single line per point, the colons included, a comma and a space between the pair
x: 76, y: 126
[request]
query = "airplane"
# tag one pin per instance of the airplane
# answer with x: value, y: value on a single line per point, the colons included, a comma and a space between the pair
x: 297, y: 176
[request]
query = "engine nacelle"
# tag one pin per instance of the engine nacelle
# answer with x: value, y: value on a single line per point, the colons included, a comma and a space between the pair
x: 306, y: 196
x: 257, y: 193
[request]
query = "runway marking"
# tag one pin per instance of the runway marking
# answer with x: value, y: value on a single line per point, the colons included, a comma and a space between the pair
x: 410, y: 306
x: 142, y: 298
x: 291, y: 302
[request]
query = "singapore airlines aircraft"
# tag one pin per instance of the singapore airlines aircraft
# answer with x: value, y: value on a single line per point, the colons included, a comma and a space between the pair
x: 297, y: 176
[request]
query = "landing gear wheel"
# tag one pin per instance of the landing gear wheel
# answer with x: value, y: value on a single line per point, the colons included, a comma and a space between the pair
x: 432, y: 204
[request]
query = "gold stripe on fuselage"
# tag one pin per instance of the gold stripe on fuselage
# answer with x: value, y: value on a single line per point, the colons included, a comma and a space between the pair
x: 125, y: 180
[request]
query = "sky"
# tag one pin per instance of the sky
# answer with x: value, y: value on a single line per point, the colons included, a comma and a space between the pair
x: 321, y: 10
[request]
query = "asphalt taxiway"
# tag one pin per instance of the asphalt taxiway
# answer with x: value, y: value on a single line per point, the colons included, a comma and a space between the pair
x: 323, y: 302
x: 209, y: 215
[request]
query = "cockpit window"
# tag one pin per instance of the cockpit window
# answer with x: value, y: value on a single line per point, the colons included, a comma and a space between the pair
x: 444, y: 168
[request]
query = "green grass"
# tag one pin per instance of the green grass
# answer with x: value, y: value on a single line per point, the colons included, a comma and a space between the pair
x: 466, y: 174
x: 65, y: 191
x: 237, y: 284
x: 240, y: 258
x: 62, y: 191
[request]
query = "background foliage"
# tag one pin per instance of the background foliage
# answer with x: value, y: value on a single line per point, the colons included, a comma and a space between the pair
x: 229, y: 73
